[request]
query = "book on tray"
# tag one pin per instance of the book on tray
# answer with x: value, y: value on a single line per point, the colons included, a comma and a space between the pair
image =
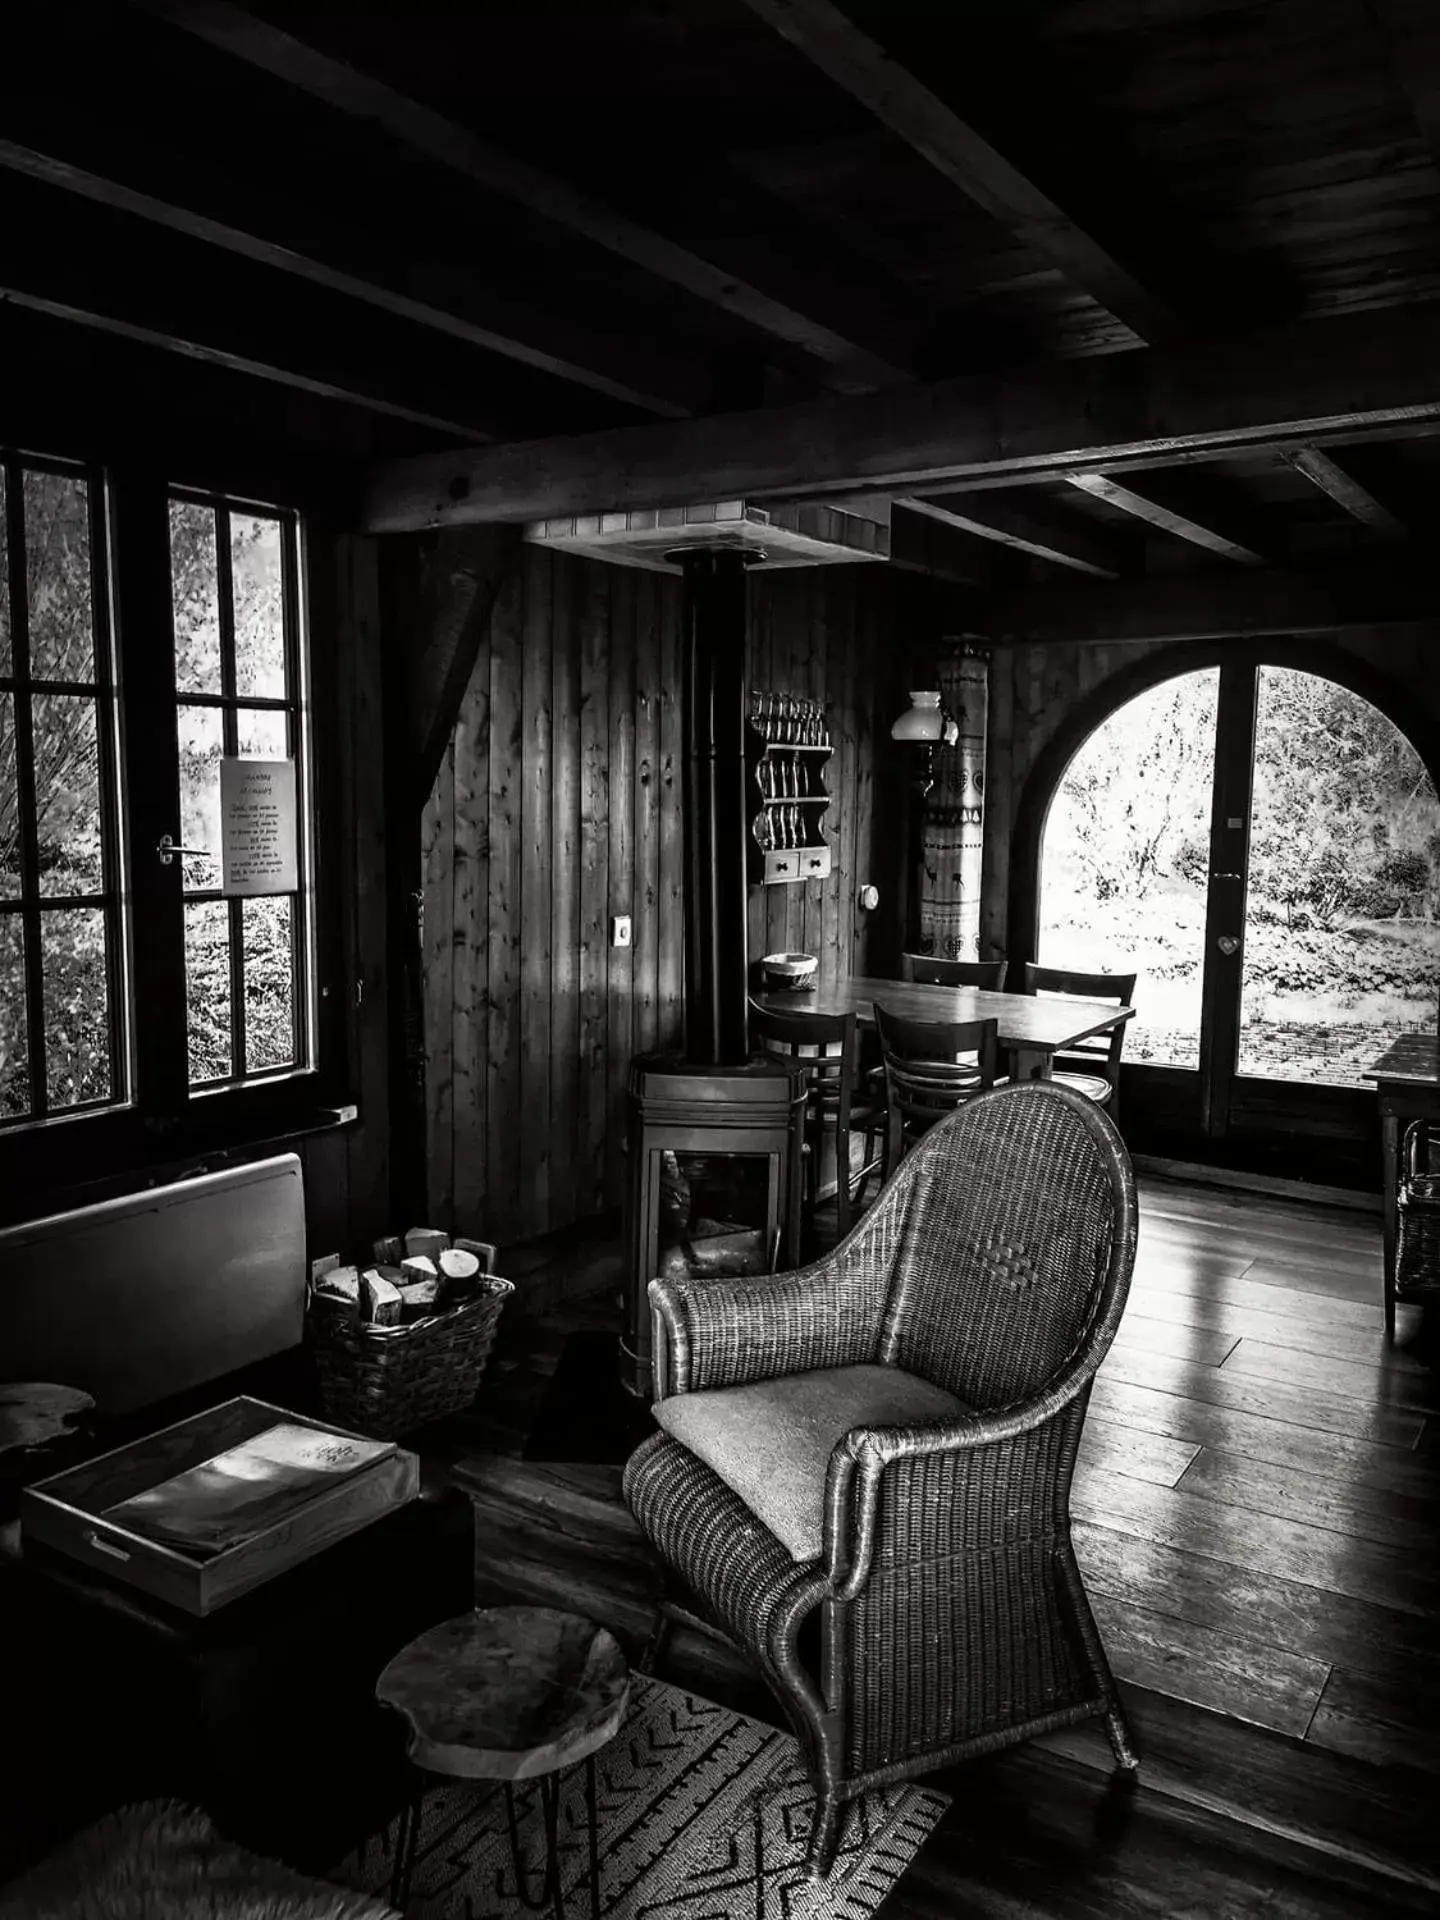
x: 246, y: 1489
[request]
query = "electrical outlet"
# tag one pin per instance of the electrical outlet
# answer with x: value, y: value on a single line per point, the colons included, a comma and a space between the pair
x: 620, y: 930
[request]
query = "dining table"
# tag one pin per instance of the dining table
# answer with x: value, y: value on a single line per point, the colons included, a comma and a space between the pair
x: 1032, y: 1028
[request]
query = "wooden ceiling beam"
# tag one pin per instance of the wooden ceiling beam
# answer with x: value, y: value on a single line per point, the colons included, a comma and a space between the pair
x: 651, y: 381
x: 940, y: 134
x: 1369, y: 374
x: 1222, y: 605
x: 1022, y: 533
x: 852, y: 364
x: 1326, y: 473
x: 1412, y: 30
x: 124, y: 283
x: 1183, y: 526
x: 232, y: 360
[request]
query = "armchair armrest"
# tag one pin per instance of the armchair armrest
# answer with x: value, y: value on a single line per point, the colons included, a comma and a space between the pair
x: 727, y: 1330
x: 971, y: 1482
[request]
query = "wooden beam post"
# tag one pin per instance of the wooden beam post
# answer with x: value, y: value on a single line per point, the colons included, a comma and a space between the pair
x: 460, y: 578
x: 1361, y: 376
x: 1330, y: 477
x: 826, y: 35
x: 464, y: 308
x: 1023, y: 533
x: 1221, y: 605
x: 1168, y: 519
x: 246, y: 36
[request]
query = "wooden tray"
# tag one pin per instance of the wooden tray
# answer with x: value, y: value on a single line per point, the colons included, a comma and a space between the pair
x: 67, y: 1511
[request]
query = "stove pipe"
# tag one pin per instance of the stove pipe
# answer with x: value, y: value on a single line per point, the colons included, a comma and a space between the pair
x: 713, y: 789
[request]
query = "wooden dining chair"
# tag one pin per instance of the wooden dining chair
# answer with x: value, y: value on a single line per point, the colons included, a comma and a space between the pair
x: 824, y: 1045
x: 926, y: 970
x: 931, y: 1068
x: 1091, y: 1067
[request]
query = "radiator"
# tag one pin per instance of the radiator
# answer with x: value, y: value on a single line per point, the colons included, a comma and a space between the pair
x: 139, y: 1298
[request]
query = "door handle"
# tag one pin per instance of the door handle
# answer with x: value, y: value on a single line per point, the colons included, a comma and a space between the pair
x: 1228, y: 944
x: 166, y: 848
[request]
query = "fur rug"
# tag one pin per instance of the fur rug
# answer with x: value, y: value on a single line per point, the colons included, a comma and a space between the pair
x: 165, y: 1861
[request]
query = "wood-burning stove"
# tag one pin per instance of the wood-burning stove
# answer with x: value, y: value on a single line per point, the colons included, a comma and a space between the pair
x: 714, y: 1181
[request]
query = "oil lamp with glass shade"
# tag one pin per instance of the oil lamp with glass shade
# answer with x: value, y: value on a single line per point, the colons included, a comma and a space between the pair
x: 925, y: 722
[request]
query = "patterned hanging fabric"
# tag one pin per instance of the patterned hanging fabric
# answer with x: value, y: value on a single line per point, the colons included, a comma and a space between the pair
x: 953, y: 834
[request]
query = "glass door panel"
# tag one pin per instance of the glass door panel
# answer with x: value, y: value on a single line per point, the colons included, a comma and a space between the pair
x: 1342, y: 947
x: 1125, y: 858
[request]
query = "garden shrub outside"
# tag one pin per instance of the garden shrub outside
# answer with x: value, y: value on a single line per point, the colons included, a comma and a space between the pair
x: 1341, y: 945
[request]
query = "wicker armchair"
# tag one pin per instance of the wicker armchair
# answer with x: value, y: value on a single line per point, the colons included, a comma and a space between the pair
x: 903, y: 1419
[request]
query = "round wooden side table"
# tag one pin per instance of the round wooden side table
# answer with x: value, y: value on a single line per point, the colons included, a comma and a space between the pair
x: 508, y: 1694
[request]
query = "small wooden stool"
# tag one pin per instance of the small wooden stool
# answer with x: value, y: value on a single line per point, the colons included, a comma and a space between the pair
x: 508, y: 1694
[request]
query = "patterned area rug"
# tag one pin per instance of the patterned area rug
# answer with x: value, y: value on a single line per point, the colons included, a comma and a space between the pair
x: 703, y: 1813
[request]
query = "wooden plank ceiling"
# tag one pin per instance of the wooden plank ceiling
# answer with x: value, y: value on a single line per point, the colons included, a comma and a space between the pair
x: 422, y: 232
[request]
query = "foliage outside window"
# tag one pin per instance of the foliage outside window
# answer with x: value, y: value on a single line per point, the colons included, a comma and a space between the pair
x: 74, y: 1038
x: 62, y: 1028
x: 1341, y: 945
x: 238, y: 691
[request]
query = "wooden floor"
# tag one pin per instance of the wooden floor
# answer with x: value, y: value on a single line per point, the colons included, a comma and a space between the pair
x: 1256, y: 1515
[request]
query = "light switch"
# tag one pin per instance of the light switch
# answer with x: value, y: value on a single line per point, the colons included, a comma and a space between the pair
x: 620, y: 930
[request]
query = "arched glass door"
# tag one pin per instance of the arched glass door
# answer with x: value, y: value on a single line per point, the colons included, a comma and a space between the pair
x: 1342, y: 944
x: 1262, y: 847
x: 1125, y: 857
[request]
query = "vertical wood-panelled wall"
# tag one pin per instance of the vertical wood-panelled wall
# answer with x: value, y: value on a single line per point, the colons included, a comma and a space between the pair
x: 558, y: 806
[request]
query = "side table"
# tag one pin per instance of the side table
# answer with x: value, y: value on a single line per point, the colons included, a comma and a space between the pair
x: 508, y: 1694
x: 263, y: 1712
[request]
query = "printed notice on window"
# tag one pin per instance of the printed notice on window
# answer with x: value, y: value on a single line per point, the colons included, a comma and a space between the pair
x: 257, y: 827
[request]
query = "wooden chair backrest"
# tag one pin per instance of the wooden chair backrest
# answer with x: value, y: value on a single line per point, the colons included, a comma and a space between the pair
x: 934, y: 1066
x: 822, y: 1043
x: 1104, y: 1050
x: 928, y: 971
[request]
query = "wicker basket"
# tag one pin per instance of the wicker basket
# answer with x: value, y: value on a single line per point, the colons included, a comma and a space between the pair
x: 386, y: 1380
x: 1417, y: 1251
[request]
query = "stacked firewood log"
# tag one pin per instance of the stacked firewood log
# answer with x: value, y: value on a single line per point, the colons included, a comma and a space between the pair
x: 414, y: 1276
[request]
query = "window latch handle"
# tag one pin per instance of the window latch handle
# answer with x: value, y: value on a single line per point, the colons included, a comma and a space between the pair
x: 166, y: 848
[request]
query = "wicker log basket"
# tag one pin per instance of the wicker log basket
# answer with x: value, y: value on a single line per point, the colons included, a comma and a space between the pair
x: 384, y: 1381
x: 1417, y: 1250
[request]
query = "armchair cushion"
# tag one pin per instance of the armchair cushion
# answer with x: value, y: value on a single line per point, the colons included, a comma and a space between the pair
x: 771, y: 1441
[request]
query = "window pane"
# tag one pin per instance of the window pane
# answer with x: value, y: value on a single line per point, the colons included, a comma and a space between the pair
x: 269, y: 984
x: 261, y: 733
x: 4, y: 585
x: 9, y: 803
x: 57, y: 566
x: 1125, y: 860
x: 1342, y: 943
x: 207, y: 990
x: 195, y: 596
x: 67, y: 793
x: 77, y: 1007
x: 259, y: 606
x: 14, y: 1036
x: 201, y: 740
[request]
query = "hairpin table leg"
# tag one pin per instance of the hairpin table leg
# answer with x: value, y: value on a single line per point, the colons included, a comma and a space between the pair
x: 407, y: 1842
x: 549, y: 1894
x: 593, y: 1822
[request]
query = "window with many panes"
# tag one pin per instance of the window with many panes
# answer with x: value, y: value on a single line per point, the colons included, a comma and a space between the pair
x: 84, y: 1026
x: 63, y: 1005
x: 239, y: 692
